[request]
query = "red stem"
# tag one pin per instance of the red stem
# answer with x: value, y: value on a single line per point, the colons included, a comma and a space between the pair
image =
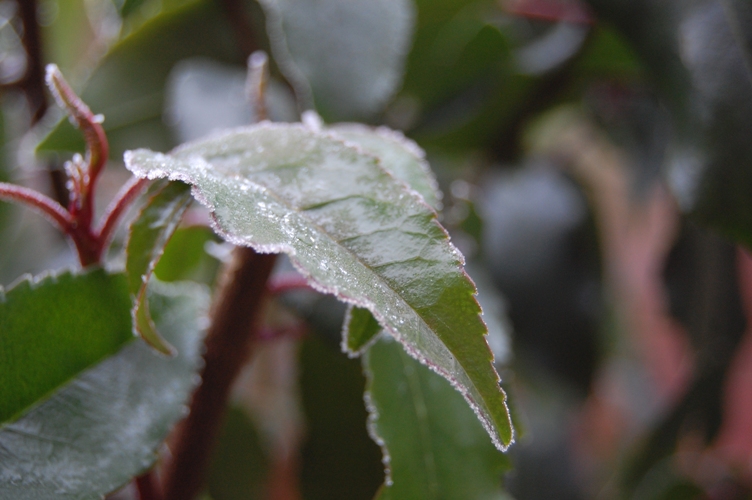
x: 119, y: 205
x: 148, y: 487
x: 49, y: 208
x: 97, y: 146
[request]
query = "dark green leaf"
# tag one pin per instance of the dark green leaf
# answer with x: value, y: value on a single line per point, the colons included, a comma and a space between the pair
x: 106, y: 426
x: 345, y: 56
x: 359, y: 330
x: 353, y: 231
x: 148, y: 235
x: 53, y: 328
x: 433, y: 445
x: 240, y: 464
x: 185, y: 257
x: 338, y: 458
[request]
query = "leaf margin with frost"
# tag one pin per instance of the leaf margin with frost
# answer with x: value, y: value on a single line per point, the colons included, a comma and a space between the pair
x: 436, y: 339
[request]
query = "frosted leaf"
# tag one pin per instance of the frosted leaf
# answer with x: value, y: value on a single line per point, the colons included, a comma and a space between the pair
x: 399, y: 155
x: 352, y: 230
x: 105, y: 427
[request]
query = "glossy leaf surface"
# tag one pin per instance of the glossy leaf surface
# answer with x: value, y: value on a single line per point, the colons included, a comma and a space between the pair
x: 400, y: 156
x: 97, y: 432
x: 404, y: 159
x: 148, y: 236
x: 353, y: 231
x: 54, y: 327
x: 344, y: 56
x: 433, y: 445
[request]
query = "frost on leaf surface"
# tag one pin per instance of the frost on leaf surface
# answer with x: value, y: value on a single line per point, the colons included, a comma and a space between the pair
x: 105, y: 426
x: 353, y: 231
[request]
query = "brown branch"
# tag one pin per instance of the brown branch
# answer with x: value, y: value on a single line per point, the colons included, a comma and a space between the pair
x: 32, y: 81
x: 228, y: 346
x: 238, y: 19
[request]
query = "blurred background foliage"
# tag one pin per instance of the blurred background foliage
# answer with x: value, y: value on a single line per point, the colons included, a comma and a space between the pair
x: 597, y: 168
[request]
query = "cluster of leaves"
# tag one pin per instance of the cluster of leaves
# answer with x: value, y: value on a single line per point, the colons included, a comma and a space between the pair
x: 520, y: 106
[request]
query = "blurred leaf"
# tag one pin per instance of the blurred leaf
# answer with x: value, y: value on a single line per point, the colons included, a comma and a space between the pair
x: 699, y: 57
x: 701, y: 274
x: 608, y: 55
x: 185, y: 258
x: 67, y: 34
x: 239, y: 468
x: 128, y: 86
x: 106, y: 426
x: 449, y: 51
x: 339, y: 460
x: 346, y: 56
x: 128, y: 7
x: 433, y: 445
x: 353, y: 231
x: 359, y: 330
x: 147, y: 237
x: 53, y: 328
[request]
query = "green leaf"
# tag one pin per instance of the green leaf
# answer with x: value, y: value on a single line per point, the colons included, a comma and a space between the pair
x: 404, y: 159
x: 185, y: 257
x: 433, y: 445
x: 353, y: 231
x: 240, y: 464
x: 346, y: 56
x: 359, y: 331
x: 106, y: 426
x: 128, y: 86
x: 400, y: 156
x: 54, y: 327
x: 147, y: 238
x: 337, y: 458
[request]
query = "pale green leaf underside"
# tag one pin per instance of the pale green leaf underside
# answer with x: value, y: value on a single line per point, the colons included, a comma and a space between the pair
x: 353, y: 231
x: 105, y: 426
x: 54, y: 327
x: 147, y: 237
x: 435, y: 447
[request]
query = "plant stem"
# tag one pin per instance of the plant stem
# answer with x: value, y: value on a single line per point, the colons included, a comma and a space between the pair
x: 49, y: 208
x: 148, y: 487
x: 228, y: 346
x: 118, y: 206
